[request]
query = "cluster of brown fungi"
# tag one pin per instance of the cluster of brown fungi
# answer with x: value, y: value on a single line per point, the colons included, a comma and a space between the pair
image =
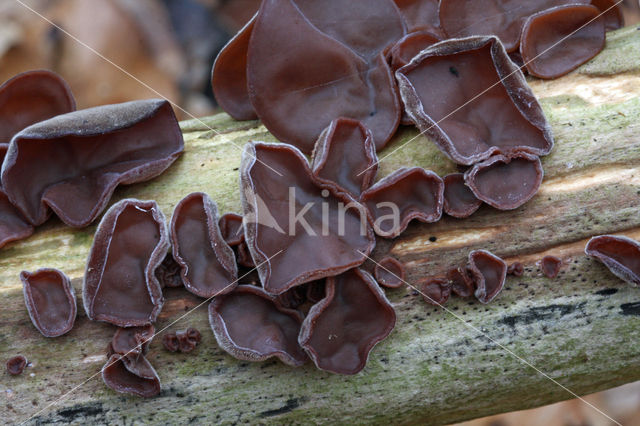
x: 328, y: 86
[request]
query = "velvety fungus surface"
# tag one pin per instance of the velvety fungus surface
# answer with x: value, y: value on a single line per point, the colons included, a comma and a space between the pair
x: 516, y: 269
x: 389, y: 272
x: 550, y: 266
x: 459, y: 200
x: 620, y: 254
x: 613, y: 16
x: 461, y: 282
x: 435, y: 290
x: 134, y: 376
x: 184, y: 341
x: 231, y: 228
x: 169, y: 272
x: 16, y: 365
x: 409, y: 46
x: 132, y: 341
x: 488, y: 272
x: 420, y: 15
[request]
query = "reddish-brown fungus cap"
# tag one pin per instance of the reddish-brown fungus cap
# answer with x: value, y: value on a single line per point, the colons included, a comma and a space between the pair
x: 16, y: 365
x: 276, y: 179
x: 231, y: 228
x: 132, y: 341
x: 435, y: 291
x: 188, y: 339
x: 170, y: 342
x: 459, y: 200
x: 613, y: 14
x: 461, y: 283
x: 409, y: 46
x: 420, y: 15
x: 344, y: 157
x: 506, y: 181
x: 208, y: 263
x: 73, y: 162
x: 311, y: 62
x: 404, y: 195
x: 250, y: 325
x: 341, y: 329
x: 50, y: 300
x: 13, y: 225
x: 516, y: 269
x: 503, y: 18
x: 620, y: 254
x: 31, y: 97
x: 389, y: 272
x: 473, y: 101
x: 316, y: 291
x: 132, y: 376
x: 169, y: 273
x: 550, y: 266
x: 489, y: 273
x: 559, y: 40
x: 120, y: 285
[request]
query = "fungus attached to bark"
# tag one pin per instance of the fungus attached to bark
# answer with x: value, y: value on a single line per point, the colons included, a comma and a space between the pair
x: 341, y: 329
x: 461, y: 282
x: 516, y: 269
x: 170, y: 342
x: 459, y: 200
x: 250, y: 324
x: 484, y: 103
x: 559, y: 40
x: 16, y: 365
x: 231, y: 228
x: 184, y: 341
x: 344, y: 157
x: 506, y: 181
x: 31, y: 97
x: 550, y: 266
x: 435, y: 291
x: 50, y: 300
x: 73, y: 162
x: 404, y: 195
x: 132, y: 342
x: 208, y: 263
x: 620, y: 254
x: 288, y: 212
x: 310, y: 62
x: 389, y: 272
x: 169, y: 272
x: 131, y: 375
x: 488, y: 272
x: 120, y: 285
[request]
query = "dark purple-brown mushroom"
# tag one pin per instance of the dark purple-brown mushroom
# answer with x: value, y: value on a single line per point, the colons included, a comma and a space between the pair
x: 341, y: 330
x: 188, y: 339
x: 13, y: 225
x: 344, y: 157
x: 169, y: 272
x: 288, y: 213
x: 461, y: 282
x: 310, y: 62
x: 73, y: 162
x: 31, y: 97
x: 420, y: 15
x: 404, y: 195
x: 473, y: 101
x: 132, y: 341
x: 459, y: 200
x: 550, y: 266
x: 316, y: 291
x: 613, y: 15
x: 435, y: 290
x: 16, y: 365
x: 502, y: 18
x: 559, y: 40
x: 506, y: 181
x: 170, y: 342
x: 120, y: 285
x: 294, y: 297
x: 389, y: 272
x: 516, y: 269
x: 131, y: 375
x: 488, y: 272
x: 250, y: 325
x: 208, y: 263
x: 620, y: 254
x: 409, y: 46
x: 50, y: 300
x: 243, y: 256
x: 231, y: 228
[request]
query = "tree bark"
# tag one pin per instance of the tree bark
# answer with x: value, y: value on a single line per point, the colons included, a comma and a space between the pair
x: 581, y: 329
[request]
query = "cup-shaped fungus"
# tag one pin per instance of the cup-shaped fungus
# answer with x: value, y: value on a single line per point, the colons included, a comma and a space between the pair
x: 16, y: 365
x: 461, y: 282
x: 620, y: 254
x: 251, y: 325
x: 50, y: 300
x: 344, y: 157
x: 13, y: 225
x: 559, y: 40
x: 473, y: 101
x: 516, y: 269
x: 506, y: 181
x: 72, y: 163
x: 613, y: 15
x: 409, y: 46
x: 489, y: 273
x: 208, y: 263
x: 132, y: 341
x: 550, y: 266
x: 389, y: 272
x: 131, y: 375
x: 169, y: 273
x: 341, y: 330
x: 120, y: 285
x: 31, y: 97
x: 288, y: 214
x: 435, y: 291
x: 184, y: 341
x: 404, y: 195
x: 420, y: 15
x: 459, y: 200
x: 231, y: 228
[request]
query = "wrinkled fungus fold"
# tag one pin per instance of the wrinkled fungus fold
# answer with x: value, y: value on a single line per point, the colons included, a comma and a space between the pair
x: 132, y: 342
x: 620, y: 254
x: 550, y: 266
x: 50, y: 301
x: 208, y: 263
x: 516, y: 269
x: 184, y: 341
x: 488, y: 272
x: 134, y: 376
x: 16, y: 365
x: 288, y: 213
x: 169, y: 273
x: 459, y: 200
x: 484, y: 105
x: 13, y: 225
x: 251, y: 325
x: 420, y: 15
x: 73, y: 162
x: 461, y: 282
x: 231, y: 228
x: 435, y: 291
x: 409, y: 46
x: 120, y: 285
x: 341, y: 330
x: 389, y: 272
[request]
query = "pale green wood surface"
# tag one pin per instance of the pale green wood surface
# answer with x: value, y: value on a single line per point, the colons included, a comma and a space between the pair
x: 582, y: 328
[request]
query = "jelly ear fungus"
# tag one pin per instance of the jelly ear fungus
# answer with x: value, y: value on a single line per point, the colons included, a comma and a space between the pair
x: 468, y: 127
x: 120, y: 285
x: 389, y: 272
x: 50, y: 300
x: 620, y: 254
x: 489, y: 273
x: 132, y: 376
x: 13, y: 225
x: 73, y: 162
x: 459, y: 200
